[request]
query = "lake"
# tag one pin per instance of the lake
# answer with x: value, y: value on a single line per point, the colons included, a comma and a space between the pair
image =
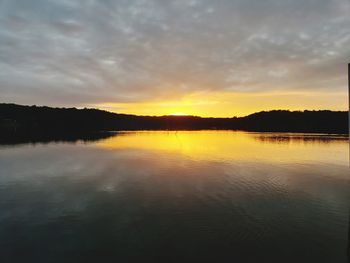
x: 166, y: 196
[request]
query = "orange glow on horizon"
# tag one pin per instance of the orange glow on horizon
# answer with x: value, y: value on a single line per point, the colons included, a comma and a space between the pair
x: 228, y: 104
x: 179, y: 114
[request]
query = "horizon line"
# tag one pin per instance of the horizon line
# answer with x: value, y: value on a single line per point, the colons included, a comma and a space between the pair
x: 167, y: 115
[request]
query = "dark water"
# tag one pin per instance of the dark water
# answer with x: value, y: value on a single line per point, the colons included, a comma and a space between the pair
x: 176, y: 197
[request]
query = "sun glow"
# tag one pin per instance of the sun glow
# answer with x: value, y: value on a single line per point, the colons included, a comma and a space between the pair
x: 179, y: 114
x: 229, y: 104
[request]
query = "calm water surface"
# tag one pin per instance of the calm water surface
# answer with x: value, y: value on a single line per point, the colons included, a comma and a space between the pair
x: 176, y: 197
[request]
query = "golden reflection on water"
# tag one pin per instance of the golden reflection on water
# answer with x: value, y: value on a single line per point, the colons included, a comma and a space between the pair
x: 228, y: 145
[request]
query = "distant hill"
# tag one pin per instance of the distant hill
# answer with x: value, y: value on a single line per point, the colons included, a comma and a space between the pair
x: 34, y: 119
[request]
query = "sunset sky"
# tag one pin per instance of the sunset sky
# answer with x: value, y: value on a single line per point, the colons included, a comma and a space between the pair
x: 159, y: 57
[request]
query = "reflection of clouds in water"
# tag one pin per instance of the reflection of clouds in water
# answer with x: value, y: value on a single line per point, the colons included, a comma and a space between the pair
x: 139, y: 199
x: 52, y: 174
x: 108, y: 188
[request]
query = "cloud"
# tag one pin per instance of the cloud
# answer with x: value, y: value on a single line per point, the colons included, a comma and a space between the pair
x: 84, y: 52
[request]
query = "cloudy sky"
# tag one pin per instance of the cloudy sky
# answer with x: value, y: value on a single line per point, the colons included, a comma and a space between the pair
x: 202, y: 57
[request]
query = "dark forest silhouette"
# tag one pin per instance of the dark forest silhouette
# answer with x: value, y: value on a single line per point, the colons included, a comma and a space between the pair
x: 34, y: 120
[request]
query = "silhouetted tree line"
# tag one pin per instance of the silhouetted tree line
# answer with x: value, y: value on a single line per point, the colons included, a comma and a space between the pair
x: 42, y: 120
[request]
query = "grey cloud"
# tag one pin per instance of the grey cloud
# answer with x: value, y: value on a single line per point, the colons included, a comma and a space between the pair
x: 83, y: 52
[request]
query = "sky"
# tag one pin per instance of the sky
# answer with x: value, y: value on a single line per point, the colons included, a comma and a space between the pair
x: 217, y: 58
